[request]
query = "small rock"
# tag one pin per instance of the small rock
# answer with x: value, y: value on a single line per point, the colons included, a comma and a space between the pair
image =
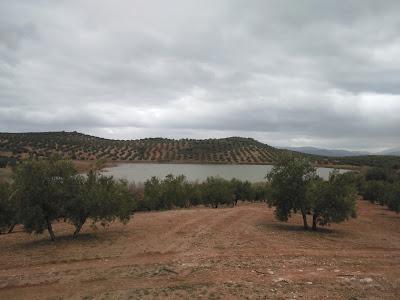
x: 270, y: 272
x: 309, y: 283
x: 336, y: 271
x: 366, y: 280
x: 280, y: 279
x: 320, y: 269
x: 348, y: 279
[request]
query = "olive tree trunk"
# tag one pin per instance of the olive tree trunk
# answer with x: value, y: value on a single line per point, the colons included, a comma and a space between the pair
x: 314, y: 222
x: 50, y: 229
x: 11, y: 228
x: 78, y: 227
x: 305, y: 224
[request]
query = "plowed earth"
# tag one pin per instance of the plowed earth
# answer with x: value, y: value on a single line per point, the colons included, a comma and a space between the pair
x: 225, y: 253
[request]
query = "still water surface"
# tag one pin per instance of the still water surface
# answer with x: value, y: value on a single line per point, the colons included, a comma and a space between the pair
x: 143, y: 171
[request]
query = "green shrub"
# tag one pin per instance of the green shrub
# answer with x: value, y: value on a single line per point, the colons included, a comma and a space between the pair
x: 217, y: 191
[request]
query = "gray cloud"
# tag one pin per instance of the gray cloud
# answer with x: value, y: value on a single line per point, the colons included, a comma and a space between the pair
x: 317, y: 73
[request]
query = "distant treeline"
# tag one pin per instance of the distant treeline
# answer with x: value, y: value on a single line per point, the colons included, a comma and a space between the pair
x: 377, y: 161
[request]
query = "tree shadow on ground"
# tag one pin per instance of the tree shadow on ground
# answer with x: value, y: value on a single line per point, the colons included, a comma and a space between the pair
x: 95, y: 237
x: 298, y: 228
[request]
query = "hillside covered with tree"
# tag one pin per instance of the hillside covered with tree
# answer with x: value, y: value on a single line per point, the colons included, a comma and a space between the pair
x: 232, y: 150
x: 78, y: 146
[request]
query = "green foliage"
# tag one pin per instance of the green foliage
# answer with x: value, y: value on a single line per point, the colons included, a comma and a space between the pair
x: 289, y: 181
x: 40, y: 192
x: 193, y: 194
x: 172, y: 191
x: 217, y: 191
x: 176, y: 191
x: 382, y: 186
x: 296, y: 187
x: 242, y: 190
x: 47, y: 191
x: 332, y: 201
x: 261, y: 191
x: 98, y: 197
x: 377, y: 174
x: 152, y: 199
x: 373, y: 190
x: 392, y: 196
x: 8, y: 211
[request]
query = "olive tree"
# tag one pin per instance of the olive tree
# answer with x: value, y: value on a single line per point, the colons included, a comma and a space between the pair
x: 289, y: 180
x: 332, y: 201
x: 174, y: 192
x: 152, y: 198
x: 98, y: 198
x: 242, y: 190
x: 216, y: 191
x: 374, y: 190
x: 260, y: 191
x: 392, y: 196
x: 41, y: 194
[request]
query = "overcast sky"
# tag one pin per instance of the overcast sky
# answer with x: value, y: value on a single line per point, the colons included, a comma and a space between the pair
x: 288, y: 73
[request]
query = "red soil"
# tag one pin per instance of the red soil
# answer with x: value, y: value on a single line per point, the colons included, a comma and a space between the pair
x: 226, y: 253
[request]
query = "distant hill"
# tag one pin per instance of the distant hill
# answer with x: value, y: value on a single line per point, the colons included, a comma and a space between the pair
x: 327, y: 152
x: 78, y: 146
x: 232, y: 150
x: 393, y: 151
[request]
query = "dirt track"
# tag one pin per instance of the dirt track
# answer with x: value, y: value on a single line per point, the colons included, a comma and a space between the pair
x: 204, y: 253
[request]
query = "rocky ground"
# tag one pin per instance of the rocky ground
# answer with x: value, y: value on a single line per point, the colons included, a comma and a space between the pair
x: 203, y: 253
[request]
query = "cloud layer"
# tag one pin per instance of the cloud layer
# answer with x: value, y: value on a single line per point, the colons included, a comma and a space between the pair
x: 293, y: 73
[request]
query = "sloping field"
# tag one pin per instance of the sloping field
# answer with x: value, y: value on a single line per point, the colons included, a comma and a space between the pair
x: 77, y: 146
x: 227, y: 253
x: 232, y: 150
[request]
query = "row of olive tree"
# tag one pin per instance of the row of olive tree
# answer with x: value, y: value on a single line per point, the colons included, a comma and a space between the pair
x: 295, y: 187
x: 382, y: 186
x: 177, y: 191
x: 48, y: 191
x: 43, y: 192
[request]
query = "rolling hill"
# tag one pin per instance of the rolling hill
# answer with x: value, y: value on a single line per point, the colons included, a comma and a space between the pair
x: 327, y: 152
x: 232, y: 150
x: 74, y: 145
x: 393, y: 151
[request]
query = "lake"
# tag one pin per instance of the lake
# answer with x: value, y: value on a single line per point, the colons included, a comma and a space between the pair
x: 140, y: 172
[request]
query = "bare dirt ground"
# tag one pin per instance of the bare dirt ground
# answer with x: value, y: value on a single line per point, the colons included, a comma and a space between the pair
x: 202, y: 253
